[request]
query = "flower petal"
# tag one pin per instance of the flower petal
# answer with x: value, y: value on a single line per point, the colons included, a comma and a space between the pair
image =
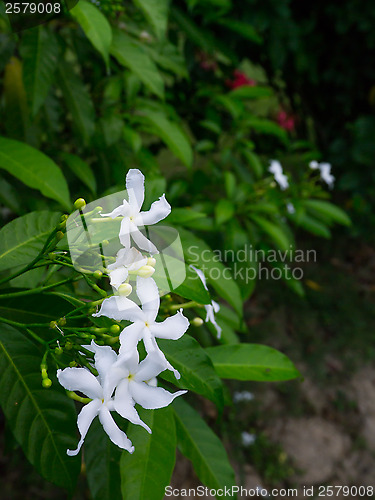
x: 104, y: 357
x: 152, y: 346
x: 118, y: 276
x: 124, y: 405
x: 124, y: 233
x: 135, y: 186
x: 151, y: 397
x: 141, y: 240
x: 119, y: 308
x: 159, y: 210
x: 84, y: 420
x: 129, y: 338
x: 119, y: 211
x: 150, y: 367
x: 148, y: 294
x: 115, y: 434
x: 82, y: 380
x: 171, y: 328
x: 201, y: 275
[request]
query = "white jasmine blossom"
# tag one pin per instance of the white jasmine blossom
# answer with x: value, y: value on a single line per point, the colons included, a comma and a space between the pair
x: 212, y: 308
x: 133, y: 218
x: 128, y: 259
x: 290, y: 208
x: 277, y: 170
x: 325, y: 172
x: 240, y: 396
x: 144, y: 324
x: 247, y: 438
x: 100, y: 391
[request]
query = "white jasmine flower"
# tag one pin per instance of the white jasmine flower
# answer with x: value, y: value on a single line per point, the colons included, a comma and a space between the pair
x: 325, y: 172
x: 128, y: 259
x: 136, y: 383
x: 144, y: 325
x: 239, y: 396
x: 212, y: 308
x: 247, y: 438
x: 100, y: 391
x: 277, y: 170
x: 290, y: 208
x: 133, y: 218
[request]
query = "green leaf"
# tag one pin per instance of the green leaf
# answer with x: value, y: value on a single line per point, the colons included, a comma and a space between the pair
x: 328, y: 209
x: 95, y: 25
x: 23, y: 238
x: 81, y: 170
x: 34, y: 169
x: 192, y: 288
x: 254, y: 162
x: 102, y: 459
x: 156, y: 12
x: 43, y: 421
x: 274, y: 231
x: 251, y: 362
x: 40, y: 52
x: 202, y: 447
x: 146, y: 473
x: 170, y: 133
x: 244, y: 29
x: 224, y: 210
x: 264, y: 126
x: 312, y: 225
x: 78, y: 101
x: 198, y: 253
x: 195, y: 367
x: 130, y: 55
x: 249, y: 92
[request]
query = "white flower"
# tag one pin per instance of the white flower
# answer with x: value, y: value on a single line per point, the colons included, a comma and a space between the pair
x: 128, y: 259
x: 212, y: 308
x: 325, y: 172
x: 290, y: 208
x: 136, y: 383
x: 133, y: 218
x: 144, y: 325
x: 239, y: 396
x: 247, y: 438
x: 277, y: 170
x: 100, y: 390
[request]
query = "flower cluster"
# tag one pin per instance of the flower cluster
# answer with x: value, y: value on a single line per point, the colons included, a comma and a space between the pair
x: 325, y: 172
x: 277, y: 170
x: 122, y: 380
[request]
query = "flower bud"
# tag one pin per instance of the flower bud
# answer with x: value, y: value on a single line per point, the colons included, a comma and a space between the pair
x: 146, y: 271
x: 97, y: 274
x: 68, y: 346
x: 125, y: 289
x: 105, y: 243
x: 115, y: 329
x: 59, y: 235
x: 46, y: 383
x: 53, y: 324
x: 59, y: 350
x: 151, y: 261
x: 72, y: 364
x: 52, y: 256
x: 197, y: 321
x: 62, y: 322
x: 79, y: 204
x: 64, y: 217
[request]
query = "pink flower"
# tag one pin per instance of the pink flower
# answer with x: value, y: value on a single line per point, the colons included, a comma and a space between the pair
x: 286, y: 121
x: 240, y: 79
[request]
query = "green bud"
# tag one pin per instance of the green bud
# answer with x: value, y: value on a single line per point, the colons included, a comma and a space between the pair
x: 53, y: 324
x: 97, y: 274
x: 68, y: 345
x: 62, y: 322
x: 79, y: 204
x: 125, y: 289
x: 59, y: 235
x: 46, y: 383
x: 72, y: 364
x: 61, y: 225
x: 64, y: 217
x: 59, y: 350
x: 52, y: 256
x: 197, y: 321
x: 105, y: 243
x: 115, y: 329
